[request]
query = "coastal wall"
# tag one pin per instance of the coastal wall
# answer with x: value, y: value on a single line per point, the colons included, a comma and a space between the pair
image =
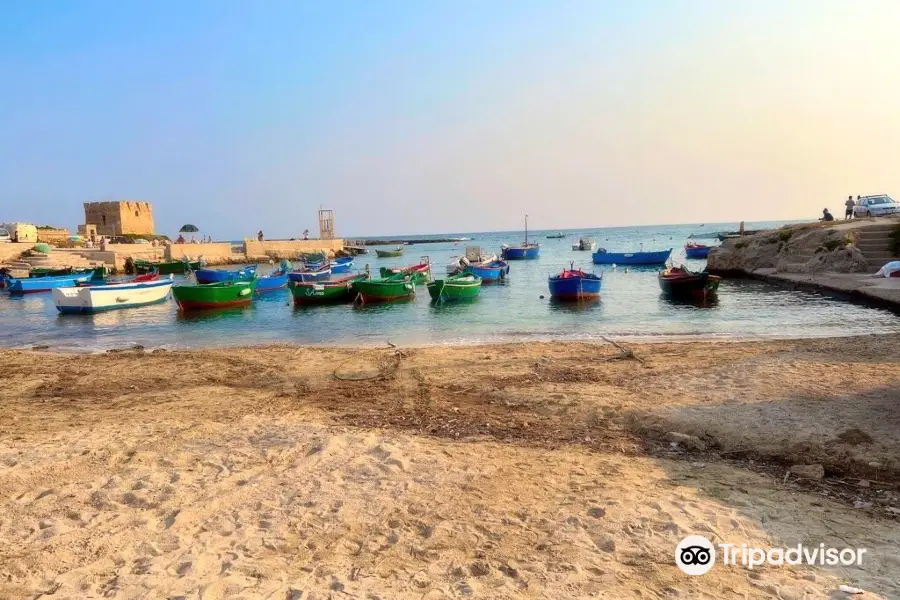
x: 215, y: 253
x: 289, y: 249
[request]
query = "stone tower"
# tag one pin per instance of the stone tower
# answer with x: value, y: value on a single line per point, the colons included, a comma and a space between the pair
x: 120, y: 218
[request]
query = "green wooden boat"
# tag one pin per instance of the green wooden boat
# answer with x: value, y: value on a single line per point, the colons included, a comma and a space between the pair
x: 386, y: 289
x: 331, y: 291
x: 418, y: 273
x: 165, y: 268
x: 389, y: 253
x: 456, y: 287
x: 227, y: 294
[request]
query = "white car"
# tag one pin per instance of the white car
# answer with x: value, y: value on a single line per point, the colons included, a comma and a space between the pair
x: 876, y: 206
x: 4, y: 236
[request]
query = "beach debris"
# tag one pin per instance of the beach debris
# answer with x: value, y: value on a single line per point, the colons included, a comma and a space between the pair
x: 851, y: 590
x: 626, y: 353
x: 691, y: 442
x: 41, y: 347
x: 862, y: 505
x: 815, y: 472
x: 864, y: 483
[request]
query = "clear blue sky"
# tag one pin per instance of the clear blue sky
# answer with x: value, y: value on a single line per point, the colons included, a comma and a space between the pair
x: 417, y: 117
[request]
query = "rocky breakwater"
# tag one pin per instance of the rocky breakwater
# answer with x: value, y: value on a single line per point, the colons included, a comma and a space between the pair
x: 803, y: 248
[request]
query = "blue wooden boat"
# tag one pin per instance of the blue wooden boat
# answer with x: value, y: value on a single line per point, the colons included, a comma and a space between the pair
x: 602, y: 257
x: 276, y: 280
x: 215, y: 276
x: 575, y: 284
x: 490, y: 272
x: 525, y: 251
x: 693, y: 250
x: 306, y: 275
x: 18, y: 287
x: 342, y: 265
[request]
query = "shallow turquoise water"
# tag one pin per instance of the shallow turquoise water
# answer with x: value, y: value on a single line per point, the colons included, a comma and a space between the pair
x: 631, y: 308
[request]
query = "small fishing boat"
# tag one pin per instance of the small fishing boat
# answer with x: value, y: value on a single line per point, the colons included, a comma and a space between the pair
x: 680, y: 282
x: 695, y: 250
x: 332, y: 291
x: 419, y: 273
x: 585, y: 244
x: 602, y: 257
x: 455, y: 287
x: 386, y: 289
x: 228, y: 294
x: 575, y: 284
x: 112, y: 296
x: 556, y: 236
x: 18, y: 287
x: 389, y: 253
x: 275, y: 280
x: 167, y: 267
x: 525, y: 251
x: 342, y: 265
x: 49, y: 272
x: 311, y: 274
x: 217, y: 276
x: 490, y: 272
x: 474, y: 255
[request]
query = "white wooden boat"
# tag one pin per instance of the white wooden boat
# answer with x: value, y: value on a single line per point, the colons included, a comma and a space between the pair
x: 473, y: 255
x: 88, y: 300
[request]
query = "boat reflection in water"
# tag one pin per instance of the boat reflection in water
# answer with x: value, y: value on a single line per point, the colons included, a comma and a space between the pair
x: 575, y: 306
x: 687, y: 302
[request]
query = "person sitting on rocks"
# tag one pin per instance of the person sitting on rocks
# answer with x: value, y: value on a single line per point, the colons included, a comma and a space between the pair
x: 826, y: 216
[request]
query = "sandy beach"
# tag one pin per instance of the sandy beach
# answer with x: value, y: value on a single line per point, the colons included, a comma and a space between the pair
x: 540, y: 470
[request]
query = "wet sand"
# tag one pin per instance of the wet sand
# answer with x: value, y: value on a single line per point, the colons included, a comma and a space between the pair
x: 540, y: 470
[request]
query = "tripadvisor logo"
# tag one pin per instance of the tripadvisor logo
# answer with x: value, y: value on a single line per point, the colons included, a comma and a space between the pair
x: 695, y: 555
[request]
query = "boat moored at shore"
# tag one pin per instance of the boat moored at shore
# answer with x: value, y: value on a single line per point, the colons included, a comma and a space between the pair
x: 113, y: 296
x: 602, y: 257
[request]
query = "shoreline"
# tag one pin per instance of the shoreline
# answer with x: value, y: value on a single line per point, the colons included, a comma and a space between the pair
x: 648, y: 339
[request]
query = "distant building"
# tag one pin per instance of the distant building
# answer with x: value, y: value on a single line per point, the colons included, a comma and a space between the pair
x: 119, y: 218
x: 52, y: 235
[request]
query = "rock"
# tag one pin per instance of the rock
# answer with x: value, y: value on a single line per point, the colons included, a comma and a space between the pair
x: 691, y: 442
x: 862, y: 505
x: 605, y: 543
x: 815, y: 472
x: 864, y: 484
x: 596, y: 512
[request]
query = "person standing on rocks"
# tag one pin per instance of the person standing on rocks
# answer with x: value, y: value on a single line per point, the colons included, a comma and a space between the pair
x: 848, y: 214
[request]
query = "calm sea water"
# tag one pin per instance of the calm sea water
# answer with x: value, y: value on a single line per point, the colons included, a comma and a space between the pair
x: 631, y: 307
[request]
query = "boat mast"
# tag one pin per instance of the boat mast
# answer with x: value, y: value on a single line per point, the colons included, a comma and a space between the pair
x: 526, y: 229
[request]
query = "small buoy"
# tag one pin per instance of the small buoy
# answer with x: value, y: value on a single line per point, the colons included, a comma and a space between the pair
x: 542, y: 296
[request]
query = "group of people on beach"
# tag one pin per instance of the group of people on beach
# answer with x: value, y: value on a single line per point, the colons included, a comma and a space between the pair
x: 848, y: 214
x: 205, y: 239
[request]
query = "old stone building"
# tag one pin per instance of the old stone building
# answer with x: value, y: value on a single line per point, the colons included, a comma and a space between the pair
x: 120, y: 218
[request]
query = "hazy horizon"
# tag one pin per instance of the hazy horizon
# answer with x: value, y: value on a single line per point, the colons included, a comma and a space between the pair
x: 459, y: 116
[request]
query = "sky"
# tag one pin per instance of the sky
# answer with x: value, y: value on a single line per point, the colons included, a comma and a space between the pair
x: 447, y: 115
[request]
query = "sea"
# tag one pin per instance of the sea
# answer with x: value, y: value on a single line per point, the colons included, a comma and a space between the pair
x: 631, y: 308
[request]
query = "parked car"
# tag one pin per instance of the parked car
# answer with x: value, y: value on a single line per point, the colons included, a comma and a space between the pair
x: 876, y: 206
x: 4, y: 236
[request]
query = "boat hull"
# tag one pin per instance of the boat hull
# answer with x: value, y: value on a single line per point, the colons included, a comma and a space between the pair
x: 388, y: 253
x: 385, y: 290
x: 306, y: 276
x: 490, y: 272
x: 270, y: 283
x: 342, y: 267
x: 681, y: 284
x: 216, y: 295
x: 526, y: 252
x: 326, y: 292
x: 215, y: 276
x: 631, y: 258
x: 460, y: 287
x: 115, y: 296
x: 19, y: 287
x: 575, y: 288
x: 697, y: 252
